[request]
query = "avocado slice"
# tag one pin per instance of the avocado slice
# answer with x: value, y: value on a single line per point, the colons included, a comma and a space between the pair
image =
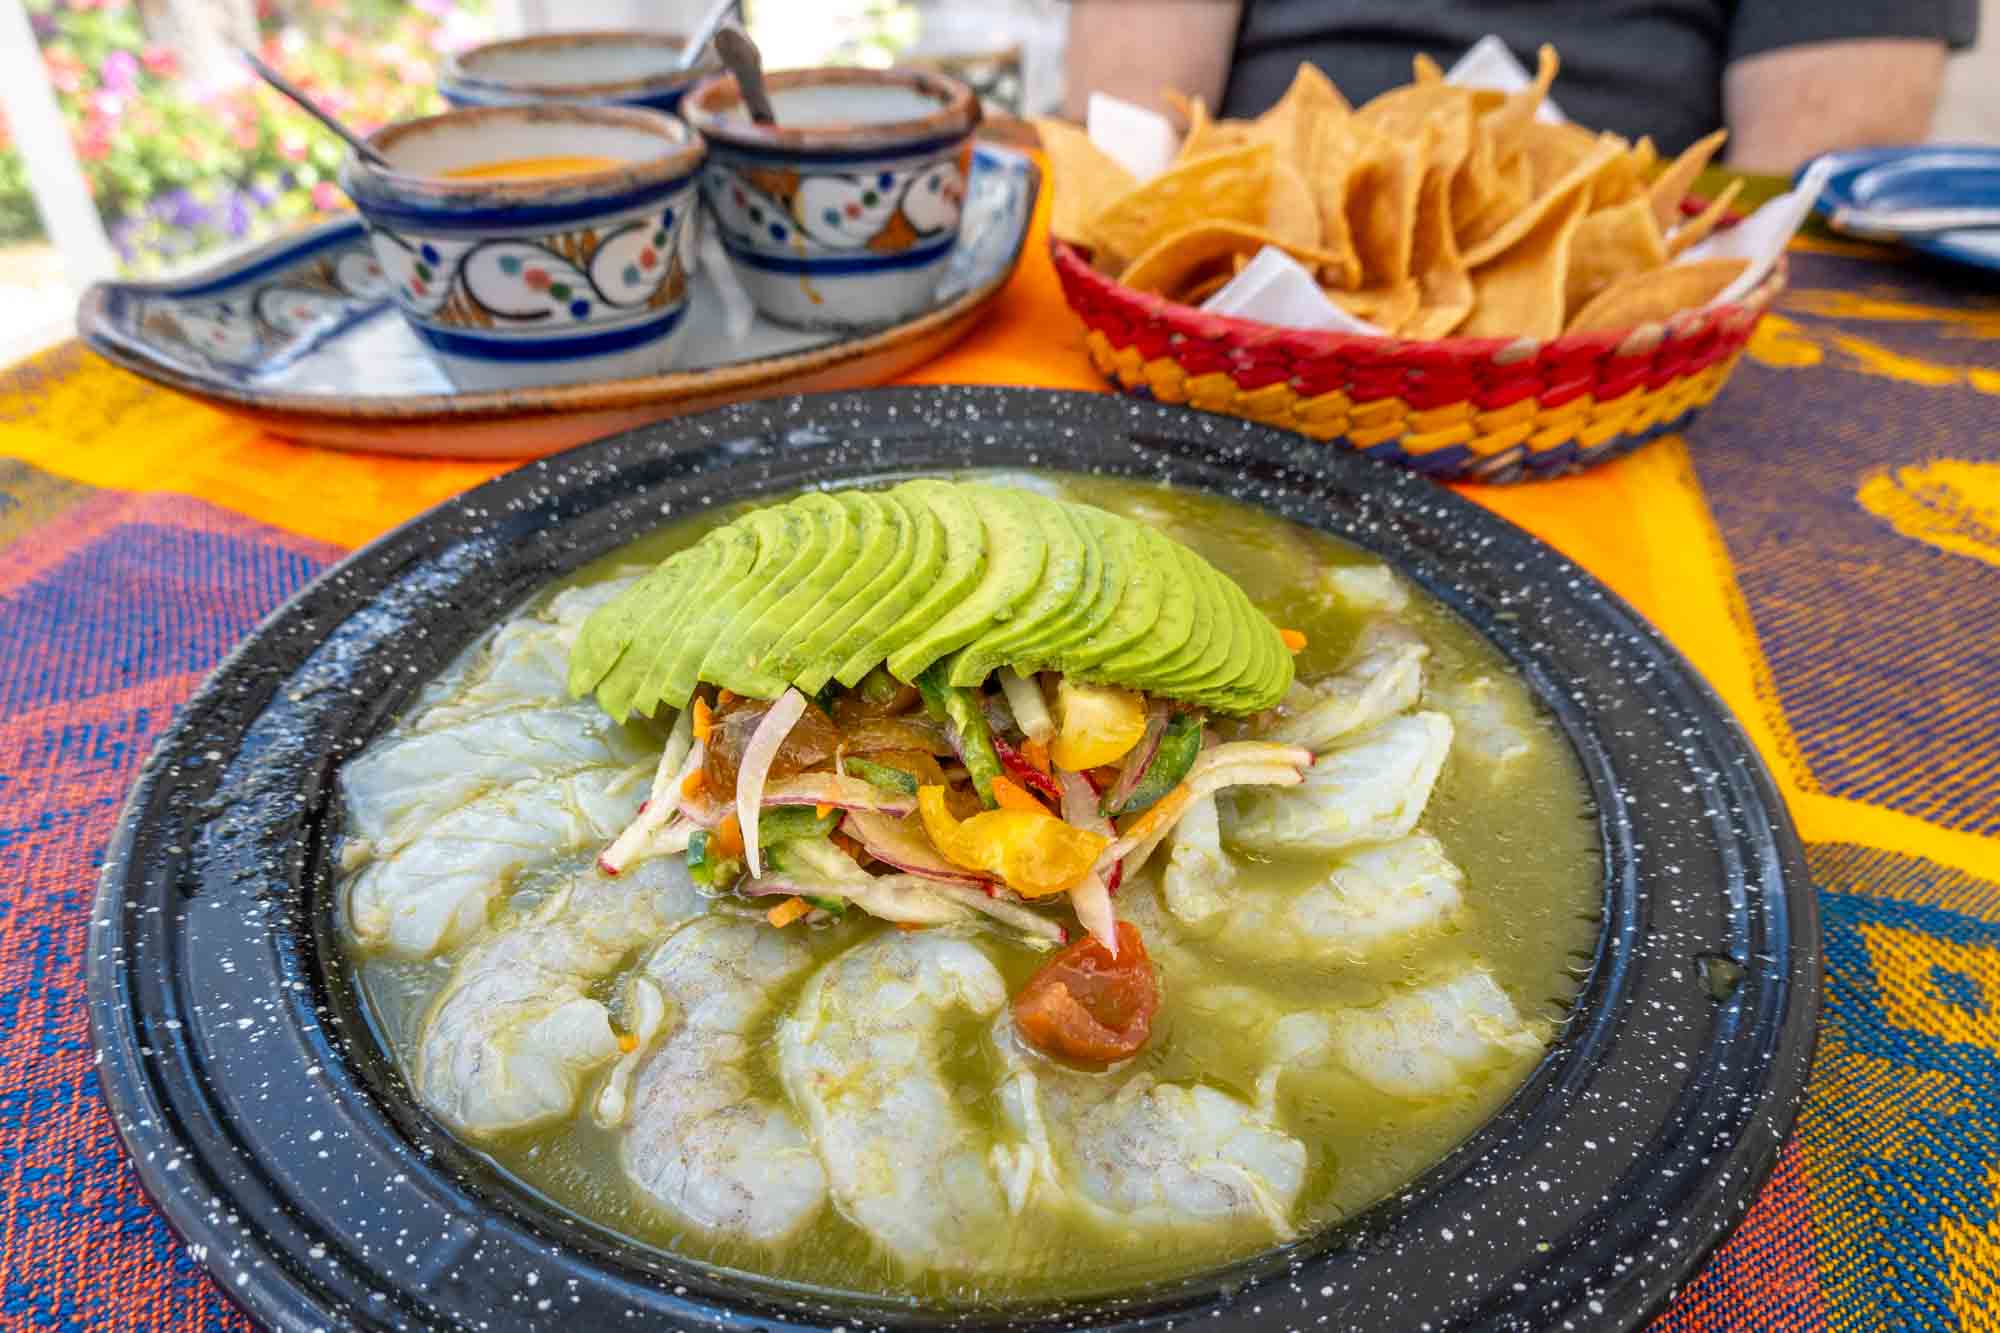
x: 1266, y: 671
x: 635, y: 683
x: 610, y: 630
x: 1172, y: 628
x: 1086, y: 618
x: 1215, y: 664
x: 1141, y: 587
x: 1162, y: 676
x: 1016, y: 556
x: 714, y: 604
x: 1070, y: 574
x: 735, y: 660
x: 917, y: 558
x: 867, y: 545
x: 966, y: 565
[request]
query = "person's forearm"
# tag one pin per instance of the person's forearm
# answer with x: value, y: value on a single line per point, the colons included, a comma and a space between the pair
x: 1786, y: 106
x: 1135, y: 49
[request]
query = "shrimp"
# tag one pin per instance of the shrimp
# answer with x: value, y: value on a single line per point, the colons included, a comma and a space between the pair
x: 398, y: 788
x: 1197, y: 869
x: 700, y: 1144
x: 1376, y: 896
x: 1141, y: 1153
x: 510, y: 1038
x: 434, y: 893
x: 1421, y: 1042
x: 1373, y: 789
x: 525, y: 662
x: 861, y: 1056
x: 1385, y: 678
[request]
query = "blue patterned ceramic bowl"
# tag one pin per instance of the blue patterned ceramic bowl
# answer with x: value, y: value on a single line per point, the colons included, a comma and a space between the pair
x: 842, y: 214
x: 624, y: 68
x: 548, y: 280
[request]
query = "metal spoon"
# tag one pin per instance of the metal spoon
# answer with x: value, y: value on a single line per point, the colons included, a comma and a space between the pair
x: 741, y: 55
x: 313, y: 109
x: 704, y: 32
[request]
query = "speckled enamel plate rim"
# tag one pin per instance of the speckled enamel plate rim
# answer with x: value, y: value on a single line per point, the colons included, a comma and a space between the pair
x: 276, y: 1136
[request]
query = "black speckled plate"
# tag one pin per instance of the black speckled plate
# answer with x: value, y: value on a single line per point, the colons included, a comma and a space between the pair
x: 283, y: 1147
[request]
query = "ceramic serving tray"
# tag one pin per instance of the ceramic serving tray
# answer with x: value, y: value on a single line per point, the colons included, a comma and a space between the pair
x: 299, y: 337
x: 265, y: 1118
x: 1925, y: 176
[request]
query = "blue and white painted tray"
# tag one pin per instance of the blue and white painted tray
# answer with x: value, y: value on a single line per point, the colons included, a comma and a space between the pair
x: 298, y: 335
x: 1924, y: 176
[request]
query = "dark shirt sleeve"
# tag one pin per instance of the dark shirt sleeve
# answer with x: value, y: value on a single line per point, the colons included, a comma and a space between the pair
x: 1769, y: 25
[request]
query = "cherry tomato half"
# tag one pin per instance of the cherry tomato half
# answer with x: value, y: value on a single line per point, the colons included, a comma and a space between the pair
x: 1086, y: 1005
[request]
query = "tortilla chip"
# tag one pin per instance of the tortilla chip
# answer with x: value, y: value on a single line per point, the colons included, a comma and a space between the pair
x: 1185, y: 259
x: 1552, y: 151
x: 1696, y: 229
x: 1289, y: 124
x: 1425, y: 70
x: 1520, y: 292
x: 1444, y: 287
x: 1383, y: 182
x: 1387, y: 308
x: 1290, y: 212
x: 1205, y: 134
x: 1206, y: 288
x: 1517, y: 110
x: 1610, y: 244
x: 1576, y: 181
x: 1645, y: 157
x: 1405, y: 112
x: 1083, y: 178
x: 1228, y: 187
x: 1672, y: 185
x: 1329, y: 155
x: 1647, y: 298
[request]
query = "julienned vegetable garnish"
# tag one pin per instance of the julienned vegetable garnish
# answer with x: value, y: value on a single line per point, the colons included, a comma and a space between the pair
x: 957, y: 741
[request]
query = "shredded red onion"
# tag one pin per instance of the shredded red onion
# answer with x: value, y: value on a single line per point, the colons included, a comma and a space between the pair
x: 1141, y: 757
x: 1092, y: 901
x: 1025, y: 773
x: 895, y: 843
x: 847, y: 793
x: 758, y: 756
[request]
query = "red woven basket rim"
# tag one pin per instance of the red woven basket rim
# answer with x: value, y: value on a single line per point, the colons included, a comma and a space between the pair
x: 1075, y: 270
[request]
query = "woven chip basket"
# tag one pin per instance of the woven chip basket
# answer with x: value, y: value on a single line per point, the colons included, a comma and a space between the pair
x: 1486, y: 409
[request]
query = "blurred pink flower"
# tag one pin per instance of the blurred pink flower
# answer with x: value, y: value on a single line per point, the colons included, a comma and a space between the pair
x: 244, y: 137
x: 119, y: 73
x: 327, y: 198
x: 292, y: 148
x: 160, y: 61
x: 106, y: 103
x: 95, y: 145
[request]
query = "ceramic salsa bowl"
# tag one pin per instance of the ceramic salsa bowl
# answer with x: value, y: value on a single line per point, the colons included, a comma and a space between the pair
x: 611, y: 68
x: 840, y: 215
x: 551, y: 280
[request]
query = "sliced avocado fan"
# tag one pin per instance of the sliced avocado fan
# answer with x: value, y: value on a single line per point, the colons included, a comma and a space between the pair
x: 973, y: 575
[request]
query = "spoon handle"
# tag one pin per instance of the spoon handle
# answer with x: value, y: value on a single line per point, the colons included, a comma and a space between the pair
x: 311, y: 108
x: 741, y: 55
x: 704, y: 32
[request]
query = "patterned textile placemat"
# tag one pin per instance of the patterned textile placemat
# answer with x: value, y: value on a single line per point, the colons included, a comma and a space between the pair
x: 1825, y: 546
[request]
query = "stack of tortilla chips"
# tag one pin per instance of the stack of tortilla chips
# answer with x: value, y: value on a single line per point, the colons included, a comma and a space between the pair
x: 1434, y: 210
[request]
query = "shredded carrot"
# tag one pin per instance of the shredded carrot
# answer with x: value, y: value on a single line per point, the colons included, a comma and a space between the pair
x: 693, y: 784
x: 704, y: 719
x: 911, y: 925
x: 1011, y: 795
x: 724, y: 698
x: 1293, y: 639
x: 822, y: 811
x: 729, y: 835
x: 787, y: 912
x: 851, y: 847
x: 627, y: 1042
x: 1037, y: 754
x: 1162, y: 813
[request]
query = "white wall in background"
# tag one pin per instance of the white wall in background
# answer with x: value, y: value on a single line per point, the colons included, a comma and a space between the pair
x: 1969, y: 108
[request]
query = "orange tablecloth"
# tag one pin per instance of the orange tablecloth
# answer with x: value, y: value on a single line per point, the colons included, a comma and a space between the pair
x: 1825, y: 548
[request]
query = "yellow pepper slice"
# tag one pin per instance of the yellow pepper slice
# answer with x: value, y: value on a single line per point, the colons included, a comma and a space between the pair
x: 1095, y: 725
x: 1031, y: 852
